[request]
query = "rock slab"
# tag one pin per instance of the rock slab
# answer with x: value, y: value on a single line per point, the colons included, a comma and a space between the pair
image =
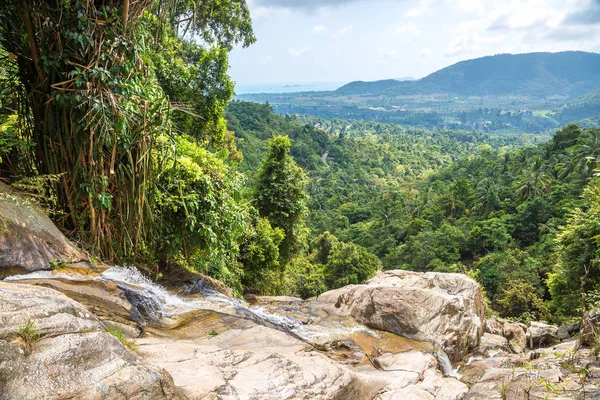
x: 29, y: 241
x: 71, y: 355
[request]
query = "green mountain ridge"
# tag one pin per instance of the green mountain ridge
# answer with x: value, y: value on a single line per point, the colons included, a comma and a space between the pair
x: 540, y: 75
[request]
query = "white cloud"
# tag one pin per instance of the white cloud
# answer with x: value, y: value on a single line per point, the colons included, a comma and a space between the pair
x: 294, y: 52
x: 423, y: 7
x: 477, y: 6
x: 345, y: 30
x: 408, y: 32
x: 258, y: 11
x: 319, y: 28
x: 459, y: 45
x: 426, y: 53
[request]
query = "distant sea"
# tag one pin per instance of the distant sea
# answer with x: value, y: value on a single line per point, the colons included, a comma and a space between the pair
x: 286, y: 87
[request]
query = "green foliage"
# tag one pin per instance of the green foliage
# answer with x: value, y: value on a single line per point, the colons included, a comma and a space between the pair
x: 577, y: 254
x: 120, y: 335
x: 199, y: 210
x: 280, y: 196
x: 304, y: 279
x: 94, y: 98
x: 260, y: 257
x: 519, y: 300
x: 349, y: 263
x: 30, y: 333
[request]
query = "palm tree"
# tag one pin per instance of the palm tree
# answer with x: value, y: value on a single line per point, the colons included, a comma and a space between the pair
x: 487, y: 195
x: 587, y: 153
x: 565, y: 166
x: 519, y: 162
x: 535, y: 181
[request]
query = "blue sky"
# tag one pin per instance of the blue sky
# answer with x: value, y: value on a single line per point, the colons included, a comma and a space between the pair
x: 303, y: 41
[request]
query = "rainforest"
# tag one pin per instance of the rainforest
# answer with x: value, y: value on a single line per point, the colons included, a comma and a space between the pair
x: 119, y: 121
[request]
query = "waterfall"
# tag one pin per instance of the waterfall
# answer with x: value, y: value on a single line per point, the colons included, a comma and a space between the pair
x: 155, y: 302
x: 445, y: 364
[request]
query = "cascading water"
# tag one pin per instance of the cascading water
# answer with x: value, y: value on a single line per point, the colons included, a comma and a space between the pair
x: 155, y: 302
x: 446, y: 364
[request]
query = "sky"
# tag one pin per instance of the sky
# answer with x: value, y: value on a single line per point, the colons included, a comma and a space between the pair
x: 307, y: 41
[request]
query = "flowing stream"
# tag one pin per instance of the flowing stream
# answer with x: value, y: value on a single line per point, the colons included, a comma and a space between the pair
x: 157, y: 302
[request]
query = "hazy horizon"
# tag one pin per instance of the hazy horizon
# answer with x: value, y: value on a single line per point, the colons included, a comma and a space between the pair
x: 303, y: 42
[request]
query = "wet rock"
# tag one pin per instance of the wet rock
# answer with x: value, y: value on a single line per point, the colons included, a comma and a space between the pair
x: 541, y: 334
x: 273, y: 300
x: 434, y: 307
x: 70, y: 354
x: 29, y: 241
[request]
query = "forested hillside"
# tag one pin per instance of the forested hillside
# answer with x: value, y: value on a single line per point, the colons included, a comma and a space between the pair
x: 447, y: 201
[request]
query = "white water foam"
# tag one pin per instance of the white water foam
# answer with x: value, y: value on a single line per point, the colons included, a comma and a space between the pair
x: 44, y: 275
x: 170, y: 304
x: 446, y: 364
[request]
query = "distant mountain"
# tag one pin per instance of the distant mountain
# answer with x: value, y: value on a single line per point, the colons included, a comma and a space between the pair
x: 360, y: 87
x: 586, y: 107
x: 534, y: 75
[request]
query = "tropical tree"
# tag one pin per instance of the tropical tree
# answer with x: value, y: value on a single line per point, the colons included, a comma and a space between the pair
x: 535, y: 181
x: 587, y: 152
x: 91, y: 103
x: 487, y: 198
x: 280, y: 196
x: 577, y: 268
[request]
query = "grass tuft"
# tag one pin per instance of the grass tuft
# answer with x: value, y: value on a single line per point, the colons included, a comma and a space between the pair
x: 120, y: 335
x: 30, y: 334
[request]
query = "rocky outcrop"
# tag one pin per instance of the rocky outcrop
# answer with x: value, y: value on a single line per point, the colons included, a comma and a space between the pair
x: 551, y: 373
x: 434, y: 307
x: 514, y: 332
x: 53, y: 348
x: 590, y: 328
x: 29, y: 241
x: 491, y: 344
x: 563, y: 332
x: 540, y: 334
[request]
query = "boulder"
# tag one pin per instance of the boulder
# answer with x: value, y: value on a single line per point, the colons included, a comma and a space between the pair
x: 590, y: 328
x: 491, y: 344
x: 433, y: 386
x: 408, y: 361
x: 514, y: 332
x: 29, y: 241
x: 54, y: 348
x: 541, y: 334
x: 435, y: 307
x: 563, y: 332
x: 495, y: 325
